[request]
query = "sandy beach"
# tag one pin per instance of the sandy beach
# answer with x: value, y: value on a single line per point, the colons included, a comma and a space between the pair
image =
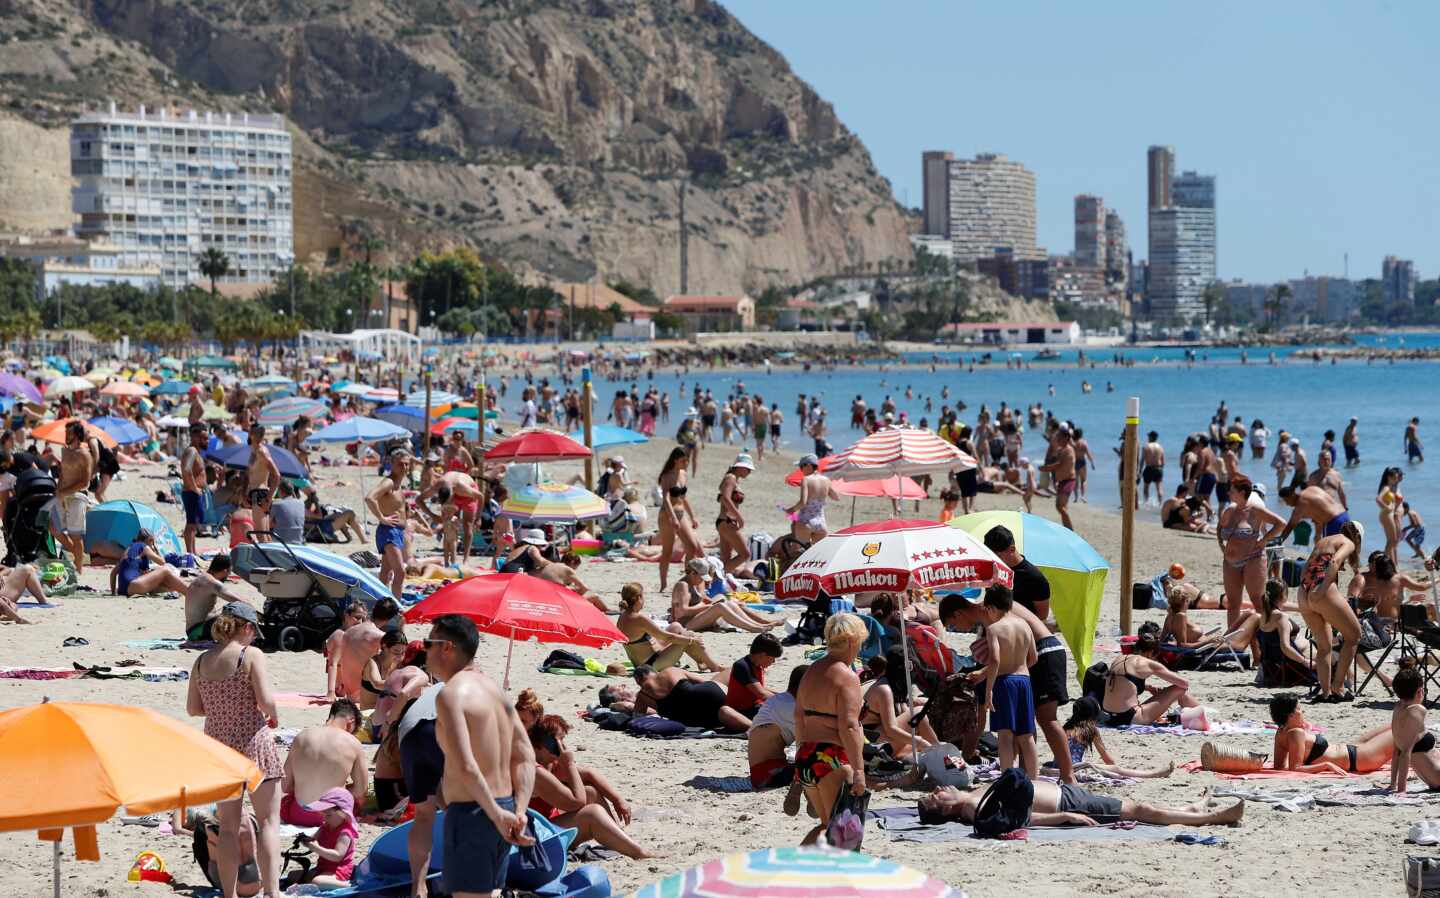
x: 1271, y: 853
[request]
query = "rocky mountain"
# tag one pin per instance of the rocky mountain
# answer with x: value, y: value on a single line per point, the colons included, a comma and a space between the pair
x: 554, y: 135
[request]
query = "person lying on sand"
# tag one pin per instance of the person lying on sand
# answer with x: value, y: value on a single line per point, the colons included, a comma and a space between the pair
x: 691, y: 699
x: 1297, y: 748
x: 1066, y: 805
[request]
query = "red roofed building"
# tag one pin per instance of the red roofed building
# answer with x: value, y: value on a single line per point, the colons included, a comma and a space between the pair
x: 710, y: 314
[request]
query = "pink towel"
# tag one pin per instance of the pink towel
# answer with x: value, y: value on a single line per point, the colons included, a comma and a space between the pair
x: 300, y: 699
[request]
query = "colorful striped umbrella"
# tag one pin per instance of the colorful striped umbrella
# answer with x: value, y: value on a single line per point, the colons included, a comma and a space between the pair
x: 1075, y: 570
x: 553, y: 502
x: 283, y: 412
x: 353, y: 389
x: 799, y: 872
x: 467, y: 426
x: 381, y: 394
x: 437, y: 397
x: 898, y: 451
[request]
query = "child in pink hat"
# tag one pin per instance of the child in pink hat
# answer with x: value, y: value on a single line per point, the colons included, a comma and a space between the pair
x: 334, y: 844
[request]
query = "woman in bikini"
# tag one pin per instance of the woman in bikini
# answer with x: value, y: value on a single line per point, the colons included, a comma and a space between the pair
x: 1297, y: 748
x: 691, y: 609
x: 691, y: 699
x: 885, y: 712
x: 1274, y: 650
x: 1324, y: 609
x: 648, y: 644
x: 1243, y: 532
x: 1126, y: 680
x: 1388, y: 498
x: 830, y: 744
x: 457, y: 457
x: 730, y: 525
x: 1407, y: 727
x: 676, y: 521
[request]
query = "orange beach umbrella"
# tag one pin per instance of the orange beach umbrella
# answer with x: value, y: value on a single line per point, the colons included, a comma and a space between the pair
x: 54, y: 432
x: 77, y: 764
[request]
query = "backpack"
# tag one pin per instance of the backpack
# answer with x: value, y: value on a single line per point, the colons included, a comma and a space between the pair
x: 1005, y: 806
x: 951, y: 710
x: 1093, y: 683
x: 810, y: 628
x: 656, y: 727
x: 931, y: 660
x: 560, y: 659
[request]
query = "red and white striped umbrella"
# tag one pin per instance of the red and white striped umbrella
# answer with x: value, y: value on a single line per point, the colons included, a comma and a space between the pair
x: 891, y: 556
x: 898, y: 451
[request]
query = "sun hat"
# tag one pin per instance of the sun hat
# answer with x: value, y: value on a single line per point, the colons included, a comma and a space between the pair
x: 808, y: 459
x: 697, y: 566
x: 743, y: 460
x: 534, y: 536
x: 337, y: 798
x: 242, y: 611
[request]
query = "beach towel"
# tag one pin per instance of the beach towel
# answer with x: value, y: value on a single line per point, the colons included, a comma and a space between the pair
x: 38, y: 673
x: 167, y: 642
x: 1351, y: 796
x: 300, y: 699
x: 903, y: 824
x: 1217, y: 727
x: 36, y: 604
x: 720, y: 783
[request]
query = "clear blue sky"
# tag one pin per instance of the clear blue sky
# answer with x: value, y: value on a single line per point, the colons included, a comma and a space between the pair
x: 1318, y: 118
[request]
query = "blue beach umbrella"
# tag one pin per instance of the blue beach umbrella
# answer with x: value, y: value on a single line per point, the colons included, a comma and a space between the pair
x: 602, y: 435
x: 358, y: 430
x: 171, y: 388
x: 239, y: 457
x: 120, y: 520
x: 123, y: 430
x: 408, y: 417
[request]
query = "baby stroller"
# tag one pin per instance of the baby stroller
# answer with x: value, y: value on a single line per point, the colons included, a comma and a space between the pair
x: 27, y: 517
x: 303, y: 606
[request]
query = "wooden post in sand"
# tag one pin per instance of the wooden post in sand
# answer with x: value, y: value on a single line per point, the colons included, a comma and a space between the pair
x: 425, y: 434
x: 587, y: 397
x: 1127, y: 509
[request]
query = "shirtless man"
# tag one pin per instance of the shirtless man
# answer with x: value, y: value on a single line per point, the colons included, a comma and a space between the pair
x: 1314, y: 503
x: 192, y: 484
x: 1047, y: 674
x: 1152, y: 465
x: 70, y: 506
x: 261, y: 478
x: 489, y: 763
x: 460, y: 497
x: 1350, y: 440
x: 14, y: 583
x: 563, y: 573
x: 1327, y: 477
x: 387, y: 503
x: 350, y: 654
x: 1062, y: 470
x: 1066, y: 805
x: 196, y: 414
x: 323, y: 758
x: 1010, y: 651
x: 815, y: 490
x: 202, y: 594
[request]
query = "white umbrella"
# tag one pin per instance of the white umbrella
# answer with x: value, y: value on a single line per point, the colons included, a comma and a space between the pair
x: 64, y: 386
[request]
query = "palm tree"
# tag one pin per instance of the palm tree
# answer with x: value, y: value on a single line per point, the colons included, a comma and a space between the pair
x: 1214, y: 294
x: 1276, y: 302
x: 214, y: 264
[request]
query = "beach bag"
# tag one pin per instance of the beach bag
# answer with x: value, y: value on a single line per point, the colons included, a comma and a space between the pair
x: 1093, y: 683
x: 1422, y: 877
x: 1006, y: 805
x: 1370, y: 639
x: 811, y: 626
x: 1228, y: 759
x: 533, y: 867
x: 952, y: 711
x: 846, y: 829
x: 760, y: 544
x: 931, y: 660
x: 656, y: 727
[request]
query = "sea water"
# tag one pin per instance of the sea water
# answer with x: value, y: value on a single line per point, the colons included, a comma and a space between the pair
x: 1177, y: 398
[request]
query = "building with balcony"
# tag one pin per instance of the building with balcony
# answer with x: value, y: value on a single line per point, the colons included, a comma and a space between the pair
x: 65, y: 260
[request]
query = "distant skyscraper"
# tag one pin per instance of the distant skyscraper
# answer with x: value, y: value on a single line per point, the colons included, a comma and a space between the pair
x: 1192, y: 190
x: 992, y: 207
x: 1397, y: 280
x: 1089, y: 231
x: 1117, y: 250
x: 1162, y: 170
x: 935, y: 167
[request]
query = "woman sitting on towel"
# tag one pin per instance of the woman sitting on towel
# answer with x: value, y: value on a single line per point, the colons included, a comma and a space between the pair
x: 885, y: 712
x: 133, y: 576
x: 1297, y: 748
x: 1126, y: 680
x: 648, y: 644
x: 1407, y: 724
x: 570, y: 795
x: 691, y: 608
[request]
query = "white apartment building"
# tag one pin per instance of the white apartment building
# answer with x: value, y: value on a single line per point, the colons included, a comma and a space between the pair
x: 162, y: 186
x: 1182, y: 261
x: 992, y: 207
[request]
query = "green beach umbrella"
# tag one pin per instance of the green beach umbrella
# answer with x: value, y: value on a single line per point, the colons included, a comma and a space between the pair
x: 1075, y: 570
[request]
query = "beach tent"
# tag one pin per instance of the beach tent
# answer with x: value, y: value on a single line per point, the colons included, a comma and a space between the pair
x: 1075, y: 570
x: 119, y: 520
x: 76, y: 764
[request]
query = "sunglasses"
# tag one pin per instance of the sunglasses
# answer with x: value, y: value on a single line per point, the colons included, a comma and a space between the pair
x: 429, y: 642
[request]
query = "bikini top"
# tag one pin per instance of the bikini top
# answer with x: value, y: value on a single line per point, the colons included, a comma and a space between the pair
x: 1137, y: 682
x: 735, y: 496
x: 677, y: 491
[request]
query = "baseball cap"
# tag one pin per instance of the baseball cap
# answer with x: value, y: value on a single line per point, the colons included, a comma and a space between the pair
x: 808, y: 459
x: 534, y: 536
x: 1234, y: 438
x: 242, y: 611
x: 617, y: 460
x: 337, y: 798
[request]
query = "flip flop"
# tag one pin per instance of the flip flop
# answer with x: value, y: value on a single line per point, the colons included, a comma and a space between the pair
x: 72, y: 641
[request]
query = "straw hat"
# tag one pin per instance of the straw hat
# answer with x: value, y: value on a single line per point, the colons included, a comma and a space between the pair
x: 1227, y: 759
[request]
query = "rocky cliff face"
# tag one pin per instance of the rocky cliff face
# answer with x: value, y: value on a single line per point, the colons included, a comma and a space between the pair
x: 555, y: 134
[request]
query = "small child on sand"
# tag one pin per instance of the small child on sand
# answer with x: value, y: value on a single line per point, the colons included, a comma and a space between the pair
x: 1007, y: 692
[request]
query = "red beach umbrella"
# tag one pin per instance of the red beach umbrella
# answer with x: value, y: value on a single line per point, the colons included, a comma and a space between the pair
x: 535, y: 445
x: 519, y: 606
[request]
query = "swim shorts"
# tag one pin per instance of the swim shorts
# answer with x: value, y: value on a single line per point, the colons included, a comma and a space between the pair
x: 1065, y: 487
x: 1333, y: 526
x: 200, y: 632
x: 469, y: 834
x: 389, y: 535
x: 68, y: 514
x: 816, y: 760
x: 194, y: 507
x: 1152, y: 474
x: 422, y: 763
x: 1206, y: 486
x: 1075, y: 800
x: 466, y: 504
x: 1047, y: 677
x: 1012, y: 705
